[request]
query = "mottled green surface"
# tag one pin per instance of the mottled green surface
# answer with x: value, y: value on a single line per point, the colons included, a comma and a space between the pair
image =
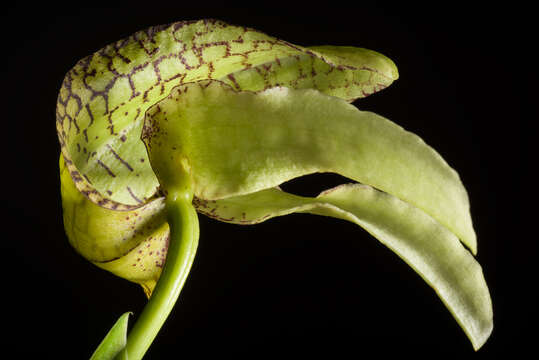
x: 226, y: 113
x: 104, y: 97
x: 237, y: 144
x: 131, y: 244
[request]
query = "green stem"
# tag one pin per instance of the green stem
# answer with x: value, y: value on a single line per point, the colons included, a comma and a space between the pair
x: 184, y: 231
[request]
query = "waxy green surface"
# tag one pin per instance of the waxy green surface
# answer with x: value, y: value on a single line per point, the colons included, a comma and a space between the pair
x: 131, y: 244
x: 230, y: 113
x: 103, y: 99
x: 242, y: 142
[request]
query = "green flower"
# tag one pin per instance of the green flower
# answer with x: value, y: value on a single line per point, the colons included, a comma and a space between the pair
x: 208, y: 117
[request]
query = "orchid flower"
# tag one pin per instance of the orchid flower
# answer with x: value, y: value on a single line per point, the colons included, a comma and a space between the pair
x: 203, y: 116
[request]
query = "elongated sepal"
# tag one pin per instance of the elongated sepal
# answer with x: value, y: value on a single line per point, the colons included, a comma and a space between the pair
x: 227, y: 114
x: 428, y: 247
x: 240, y: 142
x: 240, y: 145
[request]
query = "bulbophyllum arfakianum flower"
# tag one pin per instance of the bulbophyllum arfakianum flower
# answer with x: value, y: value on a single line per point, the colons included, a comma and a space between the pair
x: 203, y: 116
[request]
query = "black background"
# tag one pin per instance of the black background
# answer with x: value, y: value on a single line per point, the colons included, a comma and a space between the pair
x: 300, y: 285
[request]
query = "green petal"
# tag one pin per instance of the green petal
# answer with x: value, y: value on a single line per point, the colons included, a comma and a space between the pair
x: 130, y: 244
x: 114, y: 341
x: 382, y: 70
x: 103, y: 99
x: 429, y: 248
x: 242, y: 142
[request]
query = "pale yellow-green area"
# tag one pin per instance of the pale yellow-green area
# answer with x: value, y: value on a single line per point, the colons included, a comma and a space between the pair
x: 130, y: 244
x: 239, y: 145
x: 241, y: 142
x: 103, y: 99
x: 429, y: 248
x: 229, y: 113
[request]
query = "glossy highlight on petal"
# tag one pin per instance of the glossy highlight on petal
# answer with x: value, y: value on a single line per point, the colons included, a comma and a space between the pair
x: 103, y: 99
x: 203, y: 116
x: 278, y: 134
x: 424, y: 244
